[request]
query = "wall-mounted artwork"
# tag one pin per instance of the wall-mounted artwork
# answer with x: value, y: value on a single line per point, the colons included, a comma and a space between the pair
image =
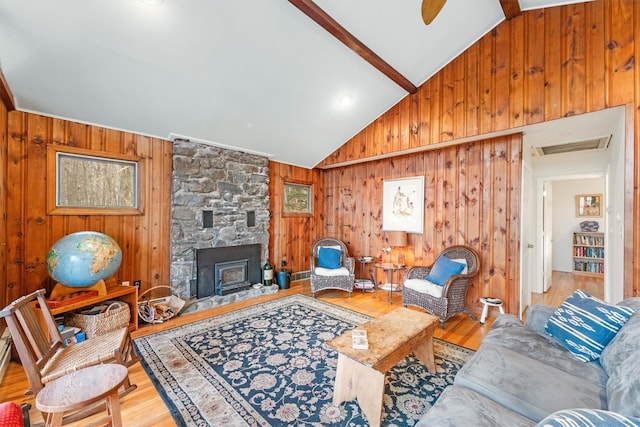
x: 403, y: 204
x: 84, y: 182
x: 589, y: 205
x: 297, y: 198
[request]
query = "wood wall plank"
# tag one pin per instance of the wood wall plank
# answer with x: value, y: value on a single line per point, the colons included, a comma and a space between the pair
x: 144, y: 239
x: 454, y: 177
x: 3, y: 201
x: 559, y: 62
x: 290, y: 236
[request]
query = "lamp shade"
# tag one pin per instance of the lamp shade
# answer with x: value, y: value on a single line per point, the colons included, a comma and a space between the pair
x: 397, y: 238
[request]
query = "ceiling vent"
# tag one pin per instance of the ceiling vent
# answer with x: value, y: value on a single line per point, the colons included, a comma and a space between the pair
x: 571, y: 147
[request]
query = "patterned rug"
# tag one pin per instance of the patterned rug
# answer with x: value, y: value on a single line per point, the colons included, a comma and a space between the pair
x: 268, y: 365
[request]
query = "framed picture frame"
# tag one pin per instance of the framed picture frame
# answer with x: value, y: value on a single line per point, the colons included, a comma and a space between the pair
x: 588, y: 205
x: 297, y: 198
x: 403, y: 204
x: 86, y: 182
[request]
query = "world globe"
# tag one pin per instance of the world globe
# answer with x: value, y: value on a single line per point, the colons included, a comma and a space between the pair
x: 83, y: 259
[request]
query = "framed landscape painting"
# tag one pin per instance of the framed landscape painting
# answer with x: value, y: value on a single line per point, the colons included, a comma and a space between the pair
x: 403, y: 204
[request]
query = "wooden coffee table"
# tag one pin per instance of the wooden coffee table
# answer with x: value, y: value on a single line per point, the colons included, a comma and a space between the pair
x: 361, y: 373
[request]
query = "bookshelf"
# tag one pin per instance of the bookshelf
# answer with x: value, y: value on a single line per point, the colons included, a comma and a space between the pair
x: 588, y: 253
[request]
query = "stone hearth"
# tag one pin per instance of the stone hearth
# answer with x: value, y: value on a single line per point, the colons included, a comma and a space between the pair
x: 220, y: 198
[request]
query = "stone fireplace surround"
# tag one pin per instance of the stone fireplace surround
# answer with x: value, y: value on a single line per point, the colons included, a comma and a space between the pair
x: 220, y: 198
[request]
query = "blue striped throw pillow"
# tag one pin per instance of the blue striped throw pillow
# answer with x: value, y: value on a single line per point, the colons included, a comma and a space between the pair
x: 587, y: 418
x: 585, y: 325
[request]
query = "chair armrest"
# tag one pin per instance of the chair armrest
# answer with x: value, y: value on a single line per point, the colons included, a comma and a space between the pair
x: 417, y: 272
x: 456, y: 282
x: 537, y: 317
x: 349, y: 263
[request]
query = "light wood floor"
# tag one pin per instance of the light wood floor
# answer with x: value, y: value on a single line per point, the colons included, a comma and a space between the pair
x: 144, y: 407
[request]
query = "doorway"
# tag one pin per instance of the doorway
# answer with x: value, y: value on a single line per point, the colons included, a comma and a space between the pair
x: 560, y: 218
x: 606, y: 161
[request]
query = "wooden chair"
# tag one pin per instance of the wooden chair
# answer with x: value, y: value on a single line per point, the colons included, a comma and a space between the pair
x: 454, y: 292
x: 43, y: 354
x: 325, y: 280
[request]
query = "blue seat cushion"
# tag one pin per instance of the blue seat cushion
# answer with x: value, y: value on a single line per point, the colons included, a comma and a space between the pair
x: 329, y: 258
x: 584, y: 325
x: 442, y: 269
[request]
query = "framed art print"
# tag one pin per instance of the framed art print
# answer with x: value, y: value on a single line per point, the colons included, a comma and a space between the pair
x: 588, y: 205
x: 403, y: 204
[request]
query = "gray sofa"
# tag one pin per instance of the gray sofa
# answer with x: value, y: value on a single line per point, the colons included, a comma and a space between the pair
x: 520, y: 375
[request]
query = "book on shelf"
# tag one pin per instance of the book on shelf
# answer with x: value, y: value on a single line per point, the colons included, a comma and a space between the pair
x: 359, y: 339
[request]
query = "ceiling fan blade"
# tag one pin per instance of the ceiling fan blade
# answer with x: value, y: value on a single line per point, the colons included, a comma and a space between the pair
x: 430, y: 9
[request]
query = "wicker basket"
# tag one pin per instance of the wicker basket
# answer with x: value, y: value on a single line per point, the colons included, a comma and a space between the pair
x: 160, y: 303
x: 115, y: 316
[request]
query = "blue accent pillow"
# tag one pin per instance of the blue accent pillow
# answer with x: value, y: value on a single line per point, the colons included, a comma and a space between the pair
x: 584, y: 325
x: 329, y: 258
x: 587, y: 418
x: 443, y: 269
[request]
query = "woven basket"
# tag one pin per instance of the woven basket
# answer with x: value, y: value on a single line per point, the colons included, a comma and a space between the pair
x: 159, y: 303
x: 116, y: 316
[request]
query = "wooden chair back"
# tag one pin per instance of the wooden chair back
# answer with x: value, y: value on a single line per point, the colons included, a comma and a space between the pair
x: 35, y: 345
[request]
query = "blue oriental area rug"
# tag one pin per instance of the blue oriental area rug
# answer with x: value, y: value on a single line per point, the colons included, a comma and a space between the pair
x: 268, y: 365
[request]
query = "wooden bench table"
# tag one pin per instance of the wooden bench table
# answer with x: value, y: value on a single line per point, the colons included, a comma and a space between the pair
x: 361, y: 373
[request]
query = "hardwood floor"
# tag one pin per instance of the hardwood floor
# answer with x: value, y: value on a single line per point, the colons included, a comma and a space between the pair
x: 144, y: 407
x: 563, y: 285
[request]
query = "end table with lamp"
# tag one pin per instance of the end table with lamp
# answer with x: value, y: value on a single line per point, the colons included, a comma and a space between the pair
x: 396, y: 239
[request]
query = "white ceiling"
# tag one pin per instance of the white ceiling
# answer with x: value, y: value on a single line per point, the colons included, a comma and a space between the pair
x: 255, y: 75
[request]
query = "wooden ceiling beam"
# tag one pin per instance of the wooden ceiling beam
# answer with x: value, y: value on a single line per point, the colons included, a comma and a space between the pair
x: 511, y: 8
x: 318, y: 15
x: 5, y: 93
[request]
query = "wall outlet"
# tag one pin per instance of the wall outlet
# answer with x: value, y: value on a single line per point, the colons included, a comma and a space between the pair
x: 136, y: 283
x: 125, y: 283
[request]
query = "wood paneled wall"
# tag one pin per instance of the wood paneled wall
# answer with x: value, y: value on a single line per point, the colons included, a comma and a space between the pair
x: 3, y: 199
x: 291, y: 236
x: 144, y: 239
x: 472, y: 197
x: 542, y: 65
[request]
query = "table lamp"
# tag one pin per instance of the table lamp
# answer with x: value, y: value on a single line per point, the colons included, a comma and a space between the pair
x: 397, y: 239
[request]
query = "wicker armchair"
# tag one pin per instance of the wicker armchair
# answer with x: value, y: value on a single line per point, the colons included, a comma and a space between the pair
x: 454, y: 291
x: 320, y: 280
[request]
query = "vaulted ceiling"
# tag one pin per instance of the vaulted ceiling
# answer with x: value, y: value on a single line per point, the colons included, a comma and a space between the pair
x: 256, y: 75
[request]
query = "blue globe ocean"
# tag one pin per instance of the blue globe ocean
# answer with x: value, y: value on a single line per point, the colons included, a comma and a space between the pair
x: 83, y: 258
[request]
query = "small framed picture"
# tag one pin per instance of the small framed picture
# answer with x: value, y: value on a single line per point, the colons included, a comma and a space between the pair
x: 297, y: 198
x: 588, y: 205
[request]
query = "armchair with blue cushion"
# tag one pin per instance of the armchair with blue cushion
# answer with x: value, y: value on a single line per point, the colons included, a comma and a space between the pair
x: 331, y: 266
x: 441, y: 288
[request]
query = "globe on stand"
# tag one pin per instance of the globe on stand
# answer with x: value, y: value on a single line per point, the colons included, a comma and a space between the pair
x: 82, y: 261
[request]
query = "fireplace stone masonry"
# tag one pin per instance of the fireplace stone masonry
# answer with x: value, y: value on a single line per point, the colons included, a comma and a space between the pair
x: 220, y: 198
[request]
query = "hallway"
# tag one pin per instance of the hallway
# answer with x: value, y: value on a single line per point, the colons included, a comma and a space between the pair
x: 563, y: 284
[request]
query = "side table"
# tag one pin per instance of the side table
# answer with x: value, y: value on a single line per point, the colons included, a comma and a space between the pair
x: 79, y: 389
x: 390, y: 286
x: 365, y: 284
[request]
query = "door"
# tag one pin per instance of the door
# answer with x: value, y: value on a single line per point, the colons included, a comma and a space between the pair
x: 528, y: 238
x: 547, y: 230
